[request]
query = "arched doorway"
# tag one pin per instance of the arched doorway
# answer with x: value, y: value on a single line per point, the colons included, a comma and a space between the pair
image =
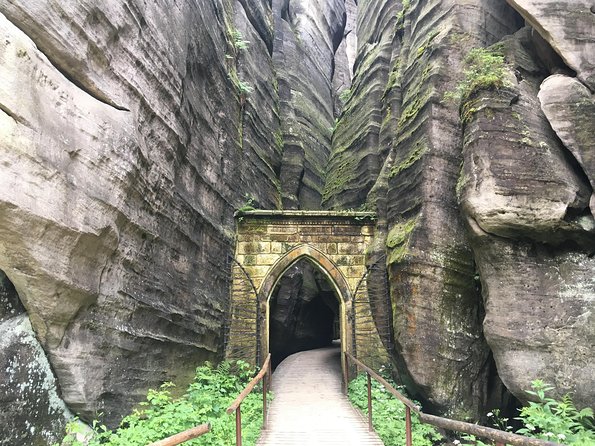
x: 304, y: 311
x: 323, y: 310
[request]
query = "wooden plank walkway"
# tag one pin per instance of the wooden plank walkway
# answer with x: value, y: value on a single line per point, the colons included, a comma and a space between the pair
x: 309, y: 408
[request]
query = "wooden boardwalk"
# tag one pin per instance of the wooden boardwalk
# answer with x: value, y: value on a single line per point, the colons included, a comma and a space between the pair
x: 309, y: 408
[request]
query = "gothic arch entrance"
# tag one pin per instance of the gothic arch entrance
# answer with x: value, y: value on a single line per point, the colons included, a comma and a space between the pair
x: 334, y: 277
x: 268, y: 244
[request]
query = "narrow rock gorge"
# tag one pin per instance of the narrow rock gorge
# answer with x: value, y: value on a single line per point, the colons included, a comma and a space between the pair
x: 131, y: 132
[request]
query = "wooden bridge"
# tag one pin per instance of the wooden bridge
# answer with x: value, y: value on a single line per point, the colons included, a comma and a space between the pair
x: 310, y: 408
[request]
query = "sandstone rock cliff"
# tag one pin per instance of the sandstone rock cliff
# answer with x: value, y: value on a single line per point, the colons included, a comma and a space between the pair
x: 131, y: 131
x: 515, y: 193
x: 130, y: 134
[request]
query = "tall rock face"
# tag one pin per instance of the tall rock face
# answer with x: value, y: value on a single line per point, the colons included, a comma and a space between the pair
x: 483, y: 208
x: 130, y: 133
x: 399, y: 152
x: 356, y: 156
x: 307, y: 35
x: 526, y: 191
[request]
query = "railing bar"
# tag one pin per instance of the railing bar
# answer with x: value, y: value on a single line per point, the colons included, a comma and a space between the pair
x: 370, y: 428
x: 182, y: 437
x: 346, y: 375
x: 496, y: 435
x: 250, y: 386
x: 386, y: 385
x: 485, y: 432
x: 408, y: 436
x: 264, y: 402
x: 239, y: 425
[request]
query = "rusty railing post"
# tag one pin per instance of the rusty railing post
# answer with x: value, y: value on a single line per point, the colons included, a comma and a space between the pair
x: 346, y: 374
x: 264, y: 402
x: 370, y: 428
x: 408, y: 426
x: 270, y: 372
x: 239, y: 426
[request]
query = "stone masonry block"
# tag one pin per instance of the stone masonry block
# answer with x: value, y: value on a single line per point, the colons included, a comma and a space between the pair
x: 353, y: 271
x: 258, y: 271
x: 312, y: 229
x: 282, y: 229
x: 280, y: 247
x: 290, y: 238
x: 367, y: 230
x: 254, y: 248
x: 346, y: 230
x: 266, y: 259
x: 350, y: 248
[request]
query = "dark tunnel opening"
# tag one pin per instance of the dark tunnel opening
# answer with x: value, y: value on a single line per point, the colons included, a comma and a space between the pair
x: 304, y: 312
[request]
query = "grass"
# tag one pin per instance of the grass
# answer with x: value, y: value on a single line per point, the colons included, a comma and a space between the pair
x: 485, y: 68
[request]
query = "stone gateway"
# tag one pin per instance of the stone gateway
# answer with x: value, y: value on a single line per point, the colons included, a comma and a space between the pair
x: 269, y: 243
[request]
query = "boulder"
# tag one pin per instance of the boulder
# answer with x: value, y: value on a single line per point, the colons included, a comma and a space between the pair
x: 569, y: 108
x: 32, y: 411
x: 567, y: 25
x: 526, y: 201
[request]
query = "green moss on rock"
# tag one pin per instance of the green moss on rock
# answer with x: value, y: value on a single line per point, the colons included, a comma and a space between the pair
x: 397, y: 240
x: 416, y: 154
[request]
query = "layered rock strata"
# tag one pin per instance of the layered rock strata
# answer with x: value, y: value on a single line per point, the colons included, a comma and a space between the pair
x: 526, y: 189
x: 130, y: 134
x: 523, y: 192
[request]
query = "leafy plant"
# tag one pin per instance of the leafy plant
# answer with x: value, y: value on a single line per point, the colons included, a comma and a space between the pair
x: 238, y: 40
x: 547, y: 419
x: 554, y: 420
x: 248, y: 204
x: 401, y: 14
x: 205, y: 400
x: 485, y: 69
x: 244, y: 88
x: 388, y: 414
x: 345, y: 95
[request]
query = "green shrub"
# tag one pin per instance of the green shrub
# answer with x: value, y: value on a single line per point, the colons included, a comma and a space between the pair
x: 485, y: 68
x: 554, y: 420
x: 345, y: 95
x: 205, y: 401
x: 238, y: 40
x: 388, y: 415
x: 547, y: 419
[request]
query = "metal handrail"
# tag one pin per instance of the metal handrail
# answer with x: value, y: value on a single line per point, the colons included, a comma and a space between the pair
x: 182, y: 437
x: 496, y: 435
x: 237, y: 404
